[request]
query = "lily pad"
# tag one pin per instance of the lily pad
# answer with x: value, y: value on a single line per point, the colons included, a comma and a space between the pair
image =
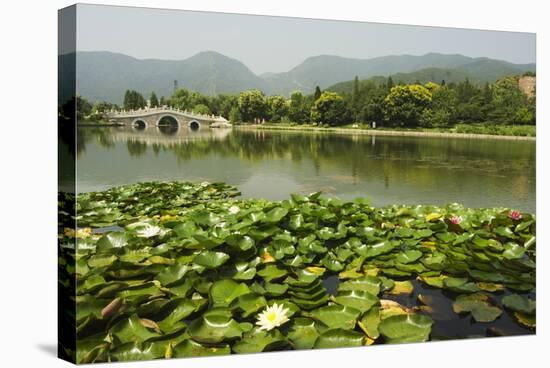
x: 339, y: 338
x: 406, y: 328
x: 479, y: 305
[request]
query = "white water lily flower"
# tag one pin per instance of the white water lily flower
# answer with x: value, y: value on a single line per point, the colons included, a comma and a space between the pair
x: 272, y: 317
x: 234, y: 209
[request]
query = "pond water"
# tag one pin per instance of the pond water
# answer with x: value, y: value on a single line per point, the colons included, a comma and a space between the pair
x: 273, y: 164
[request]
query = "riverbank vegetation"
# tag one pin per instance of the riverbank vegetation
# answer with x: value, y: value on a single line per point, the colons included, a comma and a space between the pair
x: 181, y: 269
x: 496, y: 108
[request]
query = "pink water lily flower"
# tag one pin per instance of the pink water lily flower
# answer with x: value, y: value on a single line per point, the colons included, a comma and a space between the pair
x: 456, y: 220
x: 515, y: 215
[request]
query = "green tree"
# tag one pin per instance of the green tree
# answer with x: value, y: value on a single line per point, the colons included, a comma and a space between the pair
x: 234, y: 114
x: 404, y: 105
x: 153, y: 100
x: 201, y: 109
x: 317, y: 93
x: 133, y: 100
x: 330, y: 108
x: 278, y: 108
x: 298, y: 111
x: 83, y: 108
x: 509, y: 102
x: 162, y: 101
x: 390, y: 84
x: 252, y: 105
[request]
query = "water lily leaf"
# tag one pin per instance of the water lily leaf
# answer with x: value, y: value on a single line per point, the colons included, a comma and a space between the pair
x: 303, y: 333
x: 131, y: 329
x: 424, y: 233
x: 519, y: 303
x: 401, y: 287
x: 339, y: 338
x: 190, y: 348
x: 406, y: 328
x: 211, y: 259
x: 101, y: 261
x: 206, y: 218
x: 408, y: 256
x: 370, y: 321
x: 505, y: 232
x: 375, y: 250
x: 433, y: 281
x: 527, y: 320
x: 275, y: 214
x: 242, y: 242
x: 524, y: 225
x: 389, y: 308
x: 513, y: 251
x: 137, y: 351
x: 257, y: 341
x: 275, y: 289
x: 214, y: 328
x: 332, y: 263
x: 460, y: 285
x: 478, y: 304
x: 272, y: 272
x: 172, y: 274
x: 112, y: 240
x: 223, y: 292
x: 337, y: 316
x: 360, y: 300
x: 179, y: 309
x: 404, y: 232
x: 249, y: 304
x: 489, y: 286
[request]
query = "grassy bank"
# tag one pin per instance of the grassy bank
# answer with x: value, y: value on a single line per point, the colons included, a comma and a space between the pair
x: 460, y: 131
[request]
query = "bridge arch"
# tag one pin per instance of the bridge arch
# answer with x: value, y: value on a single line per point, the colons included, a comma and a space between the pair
x: 194, y: 125
x: 139, y: 124
x: 168, y: 124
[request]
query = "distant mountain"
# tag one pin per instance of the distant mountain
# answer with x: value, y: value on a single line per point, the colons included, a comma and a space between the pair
x: 106, y: 75
x: 478, y: 71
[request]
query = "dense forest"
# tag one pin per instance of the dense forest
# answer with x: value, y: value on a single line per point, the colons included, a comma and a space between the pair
x: 388, y: 104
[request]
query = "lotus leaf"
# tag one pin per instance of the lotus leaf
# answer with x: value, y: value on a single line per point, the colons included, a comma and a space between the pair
x: 303, y: 333
x: 479, y: 305
x: 223, y: 292
x: 518, y: 303
x: 337, y: 316
x: 339, y: 338
x: 406, y: 328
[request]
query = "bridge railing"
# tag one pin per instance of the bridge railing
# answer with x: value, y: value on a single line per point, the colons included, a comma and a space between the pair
x: 148, y: 110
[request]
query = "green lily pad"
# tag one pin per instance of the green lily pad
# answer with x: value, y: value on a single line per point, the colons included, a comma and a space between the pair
x: 303, y: 333
x: 518, y: 303
x: 337, y: 316
x: 478, y: 304
x: 408, y: 256
x: 360, y: 300
x: 210, y: 259
x: 214, y: 328
x: 339, y: 338
x: 406, y: 328
x: 256, y: 341
x: 190, y: 348
x: 223, y: 292
x: 370, y: 284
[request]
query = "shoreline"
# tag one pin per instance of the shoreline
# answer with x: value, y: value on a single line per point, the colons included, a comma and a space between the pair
x: 382, y: 132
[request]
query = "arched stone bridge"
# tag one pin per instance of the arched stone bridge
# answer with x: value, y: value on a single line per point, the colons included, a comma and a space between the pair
x: 166, y: 116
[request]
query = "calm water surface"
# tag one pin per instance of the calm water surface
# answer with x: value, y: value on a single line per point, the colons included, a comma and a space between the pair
x: 268, y: 164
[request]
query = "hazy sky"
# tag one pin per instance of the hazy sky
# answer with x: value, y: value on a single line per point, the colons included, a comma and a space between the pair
x: 276, y: 44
